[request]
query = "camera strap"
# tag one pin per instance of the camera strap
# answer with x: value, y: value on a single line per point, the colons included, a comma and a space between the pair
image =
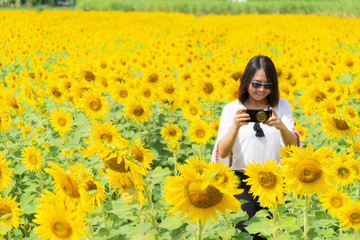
x: 258, y: 130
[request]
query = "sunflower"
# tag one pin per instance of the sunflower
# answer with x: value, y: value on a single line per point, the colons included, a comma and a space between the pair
x: 266, y: 182
x: 54, y: 90
x: 173, y: 146
x: 61, y: 121
x: 336, y: 126
x: 137, y: 111
x: 120, y: 91
x: 199, y: 132
x: 333, y: 200
x: 67, y: 186
x: 57, y: 222
x: 146, y: 93
x: 153, y: 76
x: 171, y: 132
x: 192, y: 111
x: 350, y: 113
x: 5, y: 120
x: 198, y: 196
x: 207, y: 89
x: 301, y: 130
x: 130, y: 186
x: 341, y: 173
x: 195, y: 164
x: 14, y: 104
x: 94, y: 105
x: 32, y: 158
x: 104, y: 132
x: 349, y: 215
x: 96, y: 192
x: 355, y: 87
x: 167, y: 89
x: 8, y: 205
x: 223, y: 176
x: 5, y: 176
x: 306, y: 171
x: 214, y: 126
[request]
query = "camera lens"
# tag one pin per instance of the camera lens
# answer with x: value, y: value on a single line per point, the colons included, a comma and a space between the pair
x: 261, y: 116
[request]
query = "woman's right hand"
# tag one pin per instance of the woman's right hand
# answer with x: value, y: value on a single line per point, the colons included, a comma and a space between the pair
x: 241, y: 118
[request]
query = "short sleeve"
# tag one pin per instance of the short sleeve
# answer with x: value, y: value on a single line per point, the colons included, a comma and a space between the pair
x: 287, y: 118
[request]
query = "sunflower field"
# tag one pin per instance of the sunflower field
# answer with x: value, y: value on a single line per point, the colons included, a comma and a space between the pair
x: 108, y: 122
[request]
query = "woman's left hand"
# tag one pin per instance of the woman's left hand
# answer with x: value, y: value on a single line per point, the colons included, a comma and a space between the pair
x: 274, y: 120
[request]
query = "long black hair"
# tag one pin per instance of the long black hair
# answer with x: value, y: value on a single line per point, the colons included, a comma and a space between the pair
x: 256, y: 63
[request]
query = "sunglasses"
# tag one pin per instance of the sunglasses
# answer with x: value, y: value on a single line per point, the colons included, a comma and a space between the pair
x: 259, y: 84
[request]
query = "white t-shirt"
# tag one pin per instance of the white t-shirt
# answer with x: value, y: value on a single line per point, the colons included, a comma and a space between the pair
x: 248, y: 148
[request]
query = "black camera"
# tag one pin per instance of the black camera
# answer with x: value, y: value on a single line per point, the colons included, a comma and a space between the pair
x: 258, y: 115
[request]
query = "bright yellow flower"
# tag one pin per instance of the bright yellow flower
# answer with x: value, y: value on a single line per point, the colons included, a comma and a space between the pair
x: 5, y: 176
x: 8, y: 205
x: 171, y: 132
x: 137, y: 111
x: 61, y: 121
x: 32, y: 158
x: 199, y: 132
x: 334, y: 200
x: 349, y: 215
x: 94, y: 105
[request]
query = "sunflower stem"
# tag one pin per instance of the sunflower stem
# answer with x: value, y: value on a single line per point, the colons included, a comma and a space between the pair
x: 199, y: 230
x: 354, y: 141
x: 306, y: 211
x: 41, y: 181
x: 274, y: 213
x: 175, y: 168
x: 149, y: 200
x: 91, y: 230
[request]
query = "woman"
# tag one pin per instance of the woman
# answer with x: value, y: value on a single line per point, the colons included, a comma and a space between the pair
x: 239, y: 141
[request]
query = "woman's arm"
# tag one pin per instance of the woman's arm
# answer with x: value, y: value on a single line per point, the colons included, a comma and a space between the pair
x: 227, y: 142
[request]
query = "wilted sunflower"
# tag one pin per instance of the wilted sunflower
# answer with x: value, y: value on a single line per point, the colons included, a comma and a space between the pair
x: 199, y: 132
x: 57, y: 222
x: 5, y: 176
x: 8, y: 205
x: 171, y: 132
x: 334, y: 200
x: 266, y: 182
x: 349, y: 215
x: 306, y: 171
x: 61, y: 121
x: 336, y: 126
x: 137, y: 111
x: 198, y: 196
x: 32, y: 158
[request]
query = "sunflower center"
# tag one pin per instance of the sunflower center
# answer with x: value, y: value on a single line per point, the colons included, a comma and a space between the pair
x: 208, y: 88
x: 147, y: 93
x: 267, y: 179
x: 193, y: 111
x: 61, y: 228
x: 169, y: 89
x: 95, y: 105
x: 172, y: 132
x: 237, y: 76
x: 319, y: 96
x: 61, y: 121
x: 330, y: 109
x: 308, y: 171
x: 349, y: 63
x: 343, y: 172
x: 123, y: 93
x: 70, y: 187
x: 13, y: 103
x: 4, y: 209
x: 336, y: 202
x: 113, y: 164
x: 33, y: 159
x: 200, y: 133
x: 106, y: 137
x: 153, y: 77
x: 55, y: 91
x: 340, y: 124
x: 138, y: 111
x: 90, y: 185
x: 206, y: 198
x: 354, y: 217
x: 137, y: 154
x: 89, y: 76
x: 221, y: 178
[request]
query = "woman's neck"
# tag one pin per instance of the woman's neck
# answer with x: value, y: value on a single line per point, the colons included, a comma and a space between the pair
x: 256, y: 104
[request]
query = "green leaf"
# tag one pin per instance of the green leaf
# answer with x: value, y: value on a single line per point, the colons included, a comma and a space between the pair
x: 171, y: 222
x: 102, y: 232
x: 20, y: 169
x: 288, y: 223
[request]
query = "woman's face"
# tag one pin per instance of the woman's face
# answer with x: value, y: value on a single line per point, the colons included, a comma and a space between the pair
x: 260, y: 93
